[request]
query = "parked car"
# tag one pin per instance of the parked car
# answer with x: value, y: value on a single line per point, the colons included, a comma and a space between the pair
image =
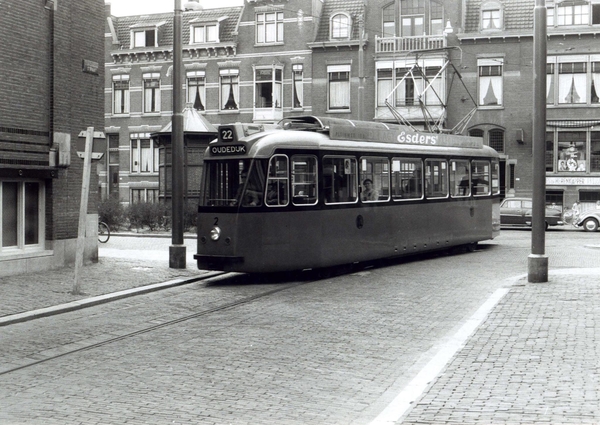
x: 586, y: 215
x: 516, y: 212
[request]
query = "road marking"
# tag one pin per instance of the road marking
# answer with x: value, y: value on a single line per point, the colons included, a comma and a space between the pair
x: 405, y: 399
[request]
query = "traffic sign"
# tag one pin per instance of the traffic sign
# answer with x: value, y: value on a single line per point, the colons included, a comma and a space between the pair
x: 98, y: 147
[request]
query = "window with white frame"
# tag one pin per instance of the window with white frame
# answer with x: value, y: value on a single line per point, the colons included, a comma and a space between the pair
x: 491, y: 17
x: 388, y: 25
x: 385, y: 83
x: 412, y: 19
x: 572, y: 82
x: 269, y: 27
x: 229, y: 89
x: 151, y: 92
x: 144, y: 195
x: 267, y: 85
x: 436, y: 18
x: 144, y: 154
x: 120, y: 94
x: 196, y: 89
x: 297, y: 86
x: 339, y: 87
x: 340, y: 26
x: 144, y: 37
x: 573, y: 79
x: 22, y: 212
x: 573, y: 13
x: 490, y: 81
x: 208, y: 33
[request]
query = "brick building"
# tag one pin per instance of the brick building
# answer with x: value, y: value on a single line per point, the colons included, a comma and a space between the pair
x: 51, y: 83
x: 458, y: 65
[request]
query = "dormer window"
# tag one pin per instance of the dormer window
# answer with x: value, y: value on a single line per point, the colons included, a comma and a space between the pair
x: 205, y: 34
x: 203, y: 31
x: 340, y: 26
x: 491, y: 16
x: 145, y: 35
x: 144, y: 38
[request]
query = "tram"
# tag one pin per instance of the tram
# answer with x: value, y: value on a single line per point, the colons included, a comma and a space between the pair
x: 318, y: 192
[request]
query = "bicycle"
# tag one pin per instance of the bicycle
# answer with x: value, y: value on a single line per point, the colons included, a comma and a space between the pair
x: 103, y: 232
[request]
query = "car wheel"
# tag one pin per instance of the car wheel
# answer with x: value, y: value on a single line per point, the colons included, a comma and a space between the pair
x: 590, y: 225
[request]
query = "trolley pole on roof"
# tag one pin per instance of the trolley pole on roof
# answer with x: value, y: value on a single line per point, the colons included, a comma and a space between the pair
x: 177, y: 254
x: 538, y: 261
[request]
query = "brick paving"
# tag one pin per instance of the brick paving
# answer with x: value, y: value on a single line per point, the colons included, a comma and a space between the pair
x: 534, y: 360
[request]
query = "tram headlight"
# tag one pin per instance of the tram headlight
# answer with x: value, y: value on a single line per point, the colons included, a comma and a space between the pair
x: 215, y: 233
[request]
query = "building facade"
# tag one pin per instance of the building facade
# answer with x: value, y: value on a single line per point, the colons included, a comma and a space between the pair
x: 52, y: 76
x: 462, y: 66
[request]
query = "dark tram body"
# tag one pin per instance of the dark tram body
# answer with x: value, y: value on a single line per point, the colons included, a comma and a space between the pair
x: 317, y: 192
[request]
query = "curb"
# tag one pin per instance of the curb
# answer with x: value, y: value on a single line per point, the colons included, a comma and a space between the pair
x: 100, y: 299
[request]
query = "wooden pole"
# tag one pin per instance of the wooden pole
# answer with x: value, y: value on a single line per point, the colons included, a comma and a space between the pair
x: 85, y: 190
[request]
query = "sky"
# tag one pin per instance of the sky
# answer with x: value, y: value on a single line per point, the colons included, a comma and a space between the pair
x: 142, y: 7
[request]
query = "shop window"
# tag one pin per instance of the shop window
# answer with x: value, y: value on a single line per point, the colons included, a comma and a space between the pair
x: 571, y: 148
x: 549, y: 151
x: 595, y: 151
x: 554, y: 199
x: 22, y: 206
x: 589, y: 196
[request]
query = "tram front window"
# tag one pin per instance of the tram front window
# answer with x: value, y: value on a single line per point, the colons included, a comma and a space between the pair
x: 234, y: 183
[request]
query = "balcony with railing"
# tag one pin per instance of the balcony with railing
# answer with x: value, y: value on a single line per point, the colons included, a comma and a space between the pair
x: 407, y: 44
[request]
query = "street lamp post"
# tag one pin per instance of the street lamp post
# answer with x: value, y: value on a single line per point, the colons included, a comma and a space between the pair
x: 538, y: 261
x: 177, y: 250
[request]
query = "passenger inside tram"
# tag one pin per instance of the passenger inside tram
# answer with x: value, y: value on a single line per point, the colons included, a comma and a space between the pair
x: 369, y: 193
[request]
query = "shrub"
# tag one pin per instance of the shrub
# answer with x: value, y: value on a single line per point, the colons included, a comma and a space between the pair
x: 112, y: 212
x: 147, y: 214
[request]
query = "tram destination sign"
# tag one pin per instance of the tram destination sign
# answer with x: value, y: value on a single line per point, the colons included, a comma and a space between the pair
x: 401, y: 135
x: 223, y: 150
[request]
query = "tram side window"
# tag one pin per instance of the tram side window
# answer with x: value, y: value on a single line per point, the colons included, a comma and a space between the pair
x: 495, y: 177
x: 304, y: 179
x: 277, y: 182
x: 340, y: 179
x: 480, y: 178
x: 374, y: 179
x: 436, y: 178
x: 407, y: 178
x: 459, y: 178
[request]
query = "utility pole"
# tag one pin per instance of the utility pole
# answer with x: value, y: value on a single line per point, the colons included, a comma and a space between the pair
x: 538, y: 261
x: 177, y: 254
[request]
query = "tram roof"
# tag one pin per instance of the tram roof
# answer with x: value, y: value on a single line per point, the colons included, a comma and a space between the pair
x: 336, y: 134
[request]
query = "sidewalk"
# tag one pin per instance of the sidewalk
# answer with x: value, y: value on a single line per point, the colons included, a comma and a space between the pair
x: 534, y: 360
x: 41, y: 294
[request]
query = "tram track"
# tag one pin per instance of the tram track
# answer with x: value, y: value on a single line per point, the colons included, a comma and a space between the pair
x: 208, y: 281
